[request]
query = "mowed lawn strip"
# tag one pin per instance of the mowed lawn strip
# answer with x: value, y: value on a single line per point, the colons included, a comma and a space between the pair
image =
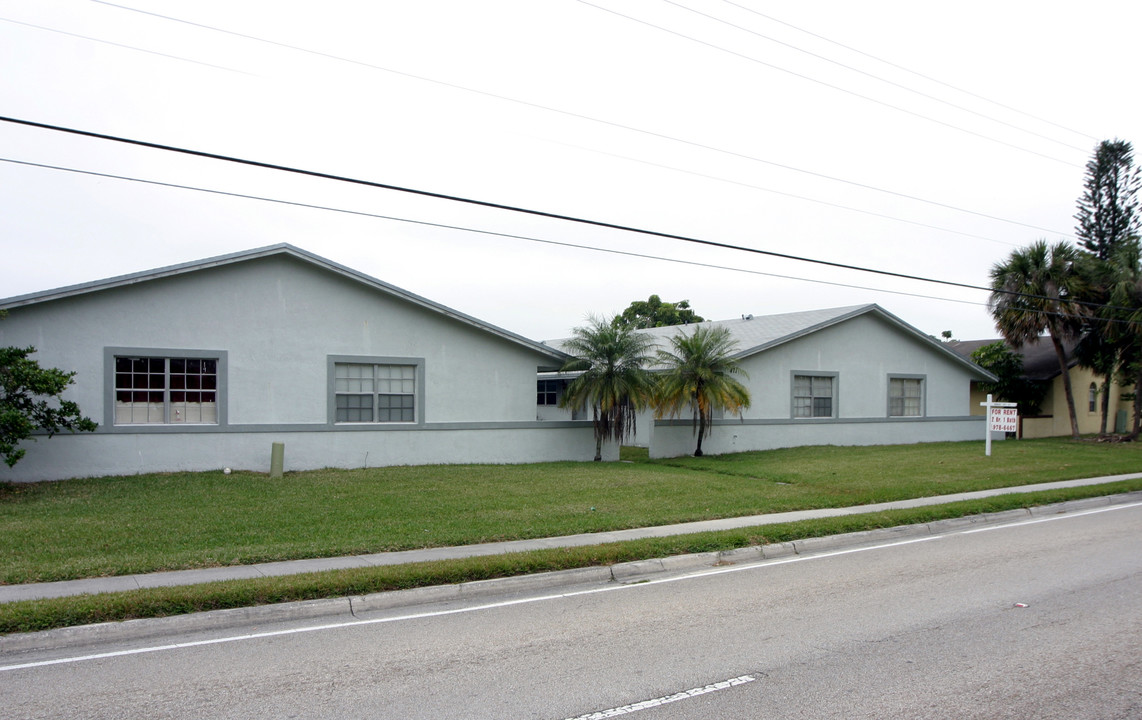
x: 34, y: 615
x: 123, y: 525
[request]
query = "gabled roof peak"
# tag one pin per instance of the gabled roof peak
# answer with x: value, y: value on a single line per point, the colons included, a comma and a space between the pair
x: 280, y: 249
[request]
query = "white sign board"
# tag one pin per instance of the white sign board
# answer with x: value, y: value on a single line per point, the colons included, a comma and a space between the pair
x: 1003, y: 419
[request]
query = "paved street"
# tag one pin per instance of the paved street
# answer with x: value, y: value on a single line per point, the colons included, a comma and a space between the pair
x: 923, y: 627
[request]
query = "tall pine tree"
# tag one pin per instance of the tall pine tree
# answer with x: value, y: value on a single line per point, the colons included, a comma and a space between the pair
x: 1108, y: 208
x: 1108, y: 229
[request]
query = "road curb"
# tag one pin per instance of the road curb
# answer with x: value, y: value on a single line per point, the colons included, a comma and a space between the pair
x: 348, y: 608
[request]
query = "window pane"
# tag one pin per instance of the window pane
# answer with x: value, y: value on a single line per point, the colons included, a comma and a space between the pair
x: 802, y: 386
x: 812, y: 396
x: 354, y: 408
x: 822, y: 387
x: 905, y: 397
x: 153, y: 390
x: 822, y: 407
x: 802, y: 407
x: 380, y: 393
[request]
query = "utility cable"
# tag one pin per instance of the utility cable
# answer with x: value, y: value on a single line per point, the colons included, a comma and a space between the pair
x: 462, y: 228
x: 588, y: 118
x: 474, y: 202
x: 911, y: 71
x: 886, y: 81
x: 544, y: 241
x: 529, y: 238
x: 826, y: 84
x: 527, y: 211
x: 795, y: 196
x: 121, y: 45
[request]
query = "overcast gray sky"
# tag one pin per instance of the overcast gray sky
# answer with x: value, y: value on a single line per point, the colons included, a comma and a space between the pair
x: 918, y: 138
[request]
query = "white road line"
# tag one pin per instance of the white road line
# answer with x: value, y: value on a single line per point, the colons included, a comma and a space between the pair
x: 544, y: 598
x: 655, y: 702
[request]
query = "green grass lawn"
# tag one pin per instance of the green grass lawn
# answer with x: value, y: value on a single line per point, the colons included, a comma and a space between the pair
x: 122, y: 525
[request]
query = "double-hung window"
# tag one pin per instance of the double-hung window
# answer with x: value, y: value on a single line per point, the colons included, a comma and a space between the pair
x: 814, y: 396
x: 905, y: 397
x: 367, y: 392
x: 154, y: 390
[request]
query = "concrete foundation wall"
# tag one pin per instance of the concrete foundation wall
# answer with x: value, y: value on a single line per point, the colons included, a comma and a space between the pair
x: 92, y: 455
x: 676, y: 438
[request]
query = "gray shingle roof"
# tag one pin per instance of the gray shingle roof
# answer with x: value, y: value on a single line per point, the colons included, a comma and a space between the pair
x: 757, y: 333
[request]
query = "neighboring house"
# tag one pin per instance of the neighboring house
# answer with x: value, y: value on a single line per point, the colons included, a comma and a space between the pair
x: 843, y: 376
x: 1052, y: 420
x: 206, y: 364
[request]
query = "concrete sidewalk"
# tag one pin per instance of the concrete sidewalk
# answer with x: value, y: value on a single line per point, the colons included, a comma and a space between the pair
x: 11, y: 593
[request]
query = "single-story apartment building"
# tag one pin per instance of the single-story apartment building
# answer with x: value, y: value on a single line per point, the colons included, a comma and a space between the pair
x: 206, y: 364
x: 854, y: 375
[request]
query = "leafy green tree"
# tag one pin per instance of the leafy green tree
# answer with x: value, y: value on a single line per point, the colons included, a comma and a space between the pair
x: 698, y: 377
x: 1123, y: 324
x: 614, y: 380
x: 655, y: 313
x: 1034, y: 291
x: 29, y: 401
x: 1012, y: 385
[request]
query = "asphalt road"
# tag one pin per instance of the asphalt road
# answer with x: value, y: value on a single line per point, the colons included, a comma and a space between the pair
x: 930, y: 627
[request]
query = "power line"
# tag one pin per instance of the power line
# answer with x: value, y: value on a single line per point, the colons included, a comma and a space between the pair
x: 826, y: 84
x: 873, y: 76
x: 121, y: 45
x: 795, y: 196
x: 588, y: 118
x: 527, y: 211
x: 910, y: 70
x: 471, y: 201
x: 494, y: 233
x: 529, y: 238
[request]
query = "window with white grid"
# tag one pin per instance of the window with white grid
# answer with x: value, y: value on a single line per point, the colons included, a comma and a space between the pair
x: 374, y: 393
x: 166, y: 390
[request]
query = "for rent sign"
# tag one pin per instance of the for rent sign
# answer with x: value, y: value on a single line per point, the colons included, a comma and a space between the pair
x: 1004, y: 419
x: 1001, y: 417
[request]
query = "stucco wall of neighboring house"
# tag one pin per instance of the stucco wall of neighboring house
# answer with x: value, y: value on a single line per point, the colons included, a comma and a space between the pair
x: 280, y: 323
x: 861, y: 354
x: 1054, y: 420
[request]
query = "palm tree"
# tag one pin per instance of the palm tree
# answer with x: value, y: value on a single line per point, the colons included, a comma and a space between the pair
x: 697, y: 377
x: 1032, y: 292
x: 614, y: 379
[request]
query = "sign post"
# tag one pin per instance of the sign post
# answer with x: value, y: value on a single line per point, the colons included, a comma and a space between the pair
x: 1001, y: 417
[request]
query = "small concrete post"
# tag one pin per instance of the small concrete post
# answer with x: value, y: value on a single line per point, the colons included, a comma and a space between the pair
x: 987, y: 424
x: 277, y: 460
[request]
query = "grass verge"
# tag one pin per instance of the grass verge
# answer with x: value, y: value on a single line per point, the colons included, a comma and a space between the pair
x: 35, y: 615
x: 147, y: 523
